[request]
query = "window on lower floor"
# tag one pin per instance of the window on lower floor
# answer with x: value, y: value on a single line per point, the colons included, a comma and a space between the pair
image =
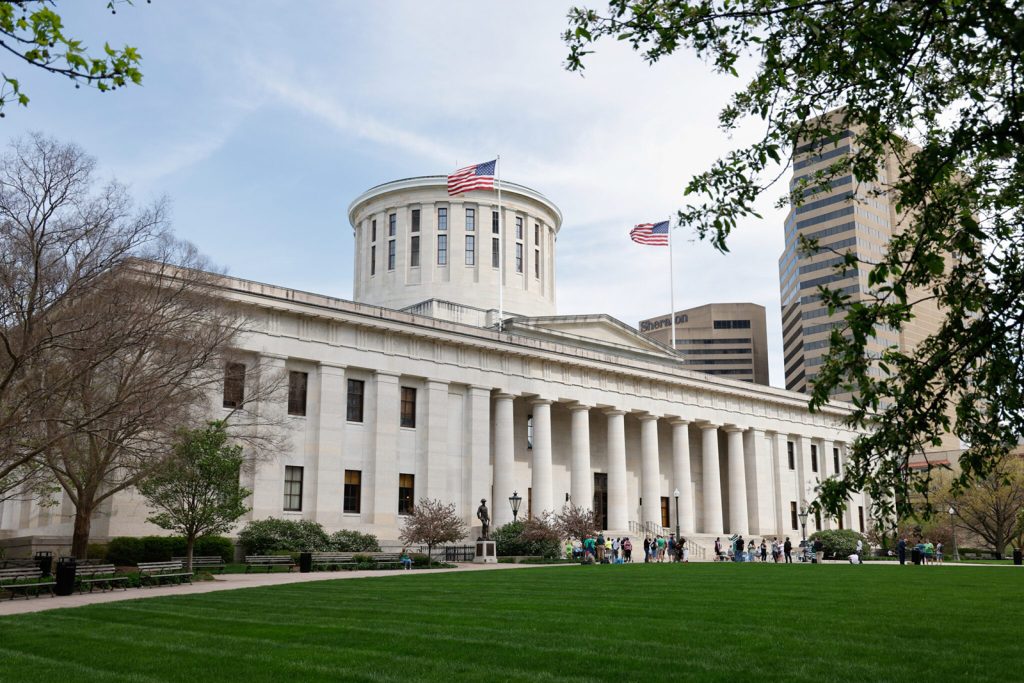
x: 817, y: 519
x: 665, y: 521
x: 791, y: 455
x: 536, y: 263
x: 814, y: 458
x: 354, y: 408
x: 297, y: 393
x: 470, y: 250
x: 391, y: 254
x: 406, y: 493
x: 835, y: 461
x: 414, y: 251
x: 529, y: 432
x: 353, y: 490
x: 373, y: 260
x: 519, y: 258
x: 793, y: 521
x: 495, y: 252
x: 860, y: 517
x: 292, y: 488
x: 408, y: 415
x: 442, y: 250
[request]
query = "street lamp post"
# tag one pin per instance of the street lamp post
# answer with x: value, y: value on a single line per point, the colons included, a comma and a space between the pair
x: 803, y: 525
x: 676, y: 494
x: 515, y: 500
x: 952, y: 523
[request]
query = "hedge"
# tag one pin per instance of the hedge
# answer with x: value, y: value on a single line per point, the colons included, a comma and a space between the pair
x: 839, y: 543
x: 124, y: 551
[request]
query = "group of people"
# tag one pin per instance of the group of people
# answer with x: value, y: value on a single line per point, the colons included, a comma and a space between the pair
x: 750, y: 551
x: 924, y: 552
x: 620, y: 550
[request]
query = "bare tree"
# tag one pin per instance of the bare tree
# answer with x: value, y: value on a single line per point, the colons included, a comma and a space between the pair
x: 575, y: 522
x: 993, y: 508
x: 432, y: 522
x: 60, y: 237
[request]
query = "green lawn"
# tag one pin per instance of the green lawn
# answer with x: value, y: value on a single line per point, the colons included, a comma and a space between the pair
x: 720, y: 622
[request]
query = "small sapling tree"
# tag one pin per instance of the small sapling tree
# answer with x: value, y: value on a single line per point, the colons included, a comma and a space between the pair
x: 431, y: 523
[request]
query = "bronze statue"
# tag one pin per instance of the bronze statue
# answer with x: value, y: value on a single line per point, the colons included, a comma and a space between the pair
x: 485, y: 519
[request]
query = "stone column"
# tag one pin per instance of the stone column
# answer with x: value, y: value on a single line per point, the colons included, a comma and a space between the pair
x: 435, y: 441
x: 504, y: 458
x: 681, y: 475
x: 618, y: 512
x: 826, y: 469
x: 385, y: 451
x: 581, y: 487
x: 711, y: 479
x: 738, y: 523
x: 760, y: 507
x: 543, y: 487
x: 650, y: 475
x: 477, y: 451
x: 328, y: 472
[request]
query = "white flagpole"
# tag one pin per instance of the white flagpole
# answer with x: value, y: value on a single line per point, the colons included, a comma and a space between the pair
x: 671, y: 283
x: 501, y: 247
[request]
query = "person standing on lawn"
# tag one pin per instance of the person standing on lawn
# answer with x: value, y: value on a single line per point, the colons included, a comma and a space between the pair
x: 787, y: 548
x: 901, y: 550
x: 600, y: 546
x: 819, y: 551
x: 647, y: 549
x: 764, y: 550
x: 627, y: 550
x: 737, y: 549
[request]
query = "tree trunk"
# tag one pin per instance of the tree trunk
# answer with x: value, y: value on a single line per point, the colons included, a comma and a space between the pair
x: 80, y: 539
x: 430, y: 556
x: 190, y: 543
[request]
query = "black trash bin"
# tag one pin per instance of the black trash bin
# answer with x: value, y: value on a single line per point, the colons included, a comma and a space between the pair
x: 1017, y: 558
x: 44, y: 560
x: 305, y: 562
x: 65, y: 578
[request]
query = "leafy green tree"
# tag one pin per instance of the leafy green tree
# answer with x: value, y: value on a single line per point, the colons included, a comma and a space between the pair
x: 839, y: 544
x: 34, y: 34
x: 264, y: 536
x: 197, y: 491
x: 935, y: 85
x: 349, y: 541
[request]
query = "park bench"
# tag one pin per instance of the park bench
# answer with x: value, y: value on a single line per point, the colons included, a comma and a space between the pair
x: 329, y: 560
x: 24, y: 579
x: 158, y: 572
x: 206, y: 563
x: 387, y: 559
x: 102, y: 575
x: 268, y: 562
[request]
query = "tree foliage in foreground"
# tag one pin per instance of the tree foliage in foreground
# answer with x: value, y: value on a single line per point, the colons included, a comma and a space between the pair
x: 196, y: 492
x: 945, y: 75
x: 432, y: 523
x: 33, y: 33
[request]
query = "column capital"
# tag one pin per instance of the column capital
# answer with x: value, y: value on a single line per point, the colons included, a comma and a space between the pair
x: 478, y: 388
x: 614, y: 412
x: 381, y: 374
x: 326, y: 365
x: 502, y: 396
x: 732, y: 429
x: 706, y: 425
x: 646, y: 417
x: 679, y: 422
x: 541, y: 402
x: 432, y: 382
x: 273, y: 356
x: 576, y: 407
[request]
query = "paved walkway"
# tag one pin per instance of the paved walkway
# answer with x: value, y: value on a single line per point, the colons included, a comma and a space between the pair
x: 226, y: 582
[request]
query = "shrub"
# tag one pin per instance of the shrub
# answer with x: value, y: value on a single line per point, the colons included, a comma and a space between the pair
x: 215, y: 545
x: 96, y: 551
x: 264, y: 536
x: 347, y: 541
x: 362, y: 559
x: 838, y: 543
x: 509, y: 541
x: 419, y: 559
x: 125, y: 551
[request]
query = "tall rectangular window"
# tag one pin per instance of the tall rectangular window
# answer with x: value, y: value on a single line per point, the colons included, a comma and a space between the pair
x: 415, y: 221
x: 536, y: 233
x: 408, y: 417
x: 442, y: 219
x: 234, y: 385
x: 495, y: 252
x: 814, y: 458
x: 791, y: 455
x: 373, y: 260
x: 391, y: 254
x: 353, y: 490
x: 297, y: 393
x: 793, y: 522
x: 519, y: 258
x: 470, y: 250
x: 292, y: 488
x: 860, y: 517
x: 835, y: 461
x: 470, y: 220
x: 536, y: 263
x: 495, y: 225
x: 373, y: 230
x: 529, y: 432
x: 354, y: 407
x: 442, y: 250
x: 817, y: 519
x: 414, y: 251
x: 406, y: 493
x: 392, y: 224
x: 519, y: 228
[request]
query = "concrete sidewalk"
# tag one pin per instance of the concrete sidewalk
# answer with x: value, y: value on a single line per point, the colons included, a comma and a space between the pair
x: 226, y: 582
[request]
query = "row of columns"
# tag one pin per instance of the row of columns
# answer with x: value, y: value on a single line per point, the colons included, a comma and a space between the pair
x: 741, y: 492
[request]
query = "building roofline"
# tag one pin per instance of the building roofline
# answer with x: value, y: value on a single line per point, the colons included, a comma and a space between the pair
x: 427, y: 181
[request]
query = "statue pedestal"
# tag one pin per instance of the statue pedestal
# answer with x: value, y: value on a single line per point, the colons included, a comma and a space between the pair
x: 486, y: 552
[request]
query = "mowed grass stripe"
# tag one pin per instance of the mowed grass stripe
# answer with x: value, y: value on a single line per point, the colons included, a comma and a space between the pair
x: 713, y: 622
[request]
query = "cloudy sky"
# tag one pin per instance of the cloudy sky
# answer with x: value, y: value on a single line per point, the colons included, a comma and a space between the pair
x: 261, y: 121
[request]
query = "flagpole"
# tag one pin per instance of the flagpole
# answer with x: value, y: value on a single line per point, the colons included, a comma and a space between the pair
x: 501, y: 247
x: 671, y: 283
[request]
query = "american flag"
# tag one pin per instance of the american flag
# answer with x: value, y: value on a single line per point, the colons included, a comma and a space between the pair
x: 475, y: 177
x: 650, y: 233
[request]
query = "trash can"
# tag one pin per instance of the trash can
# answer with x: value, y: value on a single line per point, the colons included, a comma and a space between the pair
x: 915, y: 556
x: 44, y: 560
x: 305, y: 562
x: 65, y: 578
x: 1017, y: 559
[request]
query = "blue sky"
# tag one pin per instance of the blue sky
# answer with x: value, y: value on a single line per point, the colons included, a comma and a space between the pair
x: 261, y: 121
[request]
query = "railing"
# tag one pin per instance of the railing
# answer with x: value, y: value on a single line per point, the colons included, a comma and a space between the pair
x: 645, y: 528
x: 459, y: 553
